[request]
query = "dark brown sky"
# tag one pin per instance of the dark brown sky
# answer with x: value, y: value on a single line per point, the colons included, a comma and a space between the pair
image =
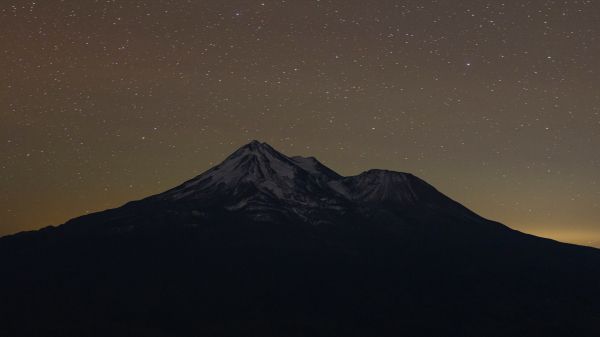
x: 495, y: 103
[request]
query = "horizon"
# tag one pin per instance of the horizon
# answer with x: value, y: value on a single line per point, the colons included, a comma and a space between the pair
x: 578, y: 238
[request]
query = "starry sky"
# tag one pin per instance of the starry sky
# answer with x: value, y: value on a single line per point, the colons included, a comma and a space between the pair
x: 497, y: 104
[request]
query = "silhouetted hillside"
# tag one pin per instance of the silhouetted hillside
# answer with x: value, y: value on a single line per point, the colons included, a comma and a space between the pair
x: 268, y: 245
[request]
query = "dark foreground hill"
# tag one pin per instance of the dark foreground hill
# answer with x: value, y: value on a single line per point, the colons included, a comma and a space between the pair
x: 268, y: 245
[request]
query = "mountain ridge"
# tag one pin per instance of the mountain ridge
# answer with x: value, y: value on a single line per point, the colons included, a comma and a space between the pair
x: 370, y: 187
x: 256, y: 174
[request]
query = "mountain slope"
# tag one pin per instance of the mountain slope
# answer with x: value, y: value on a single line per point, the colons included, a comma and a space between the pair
x: 269, y: 245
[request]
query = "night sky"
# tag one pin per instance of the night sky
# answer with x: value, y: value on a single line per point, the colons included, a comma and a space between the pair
x: 497, y: 104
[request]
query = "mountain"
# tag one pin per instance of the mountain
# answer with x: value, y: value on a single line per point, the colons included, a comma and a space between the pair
x: 269, y: 245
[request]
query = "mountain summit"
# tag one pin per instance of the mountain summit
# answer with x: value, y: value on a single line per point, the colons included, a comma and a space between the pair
x: 256, y: 178
x: 256, y: 171
x: 269, y: 245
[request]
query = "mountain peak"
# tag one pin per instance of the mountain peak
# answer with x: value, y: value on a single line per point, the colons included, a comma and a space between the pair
x: 256, y: 172
x: 257, y: 177
x: 253, y: 147
x: 256, y: 145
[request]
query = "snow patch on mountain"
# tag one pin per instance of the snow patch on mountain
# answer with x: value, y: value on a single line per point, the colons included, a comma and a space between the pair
x: 257, y: 178
x: 253, y: 170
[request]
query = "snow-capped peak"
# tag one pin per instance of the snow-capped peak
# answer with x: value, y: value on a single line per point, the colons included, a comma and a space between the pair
x: 255, y: 161
x: 255, y: 170
x: 259, y: 179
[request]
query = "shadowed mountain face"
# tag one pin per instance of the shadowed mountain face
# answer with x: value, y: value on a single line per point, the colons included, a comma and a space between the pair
x: 269, y: 245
